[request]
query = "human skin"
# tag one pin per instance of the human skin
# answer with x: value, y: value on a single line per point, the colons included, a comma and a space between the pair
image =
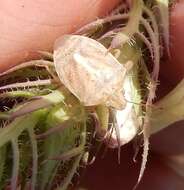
x: 28, y: 26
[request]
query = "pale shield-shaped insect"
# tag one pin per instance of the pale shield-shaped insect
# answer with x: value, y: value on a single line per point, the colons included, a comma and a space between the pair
x: 89, y: 71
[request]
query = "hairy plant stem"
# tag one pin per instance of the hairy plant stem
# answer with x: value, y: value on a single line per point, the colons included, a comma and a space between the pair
x: 34, y: 157
x: 163, y: 7
x: 39, y: 63
x: 169, y: 109
x: 77, y: 160
x: 16, y: 160
x: 15, y: 128
x: 132, y: 26
x: 37, y: 103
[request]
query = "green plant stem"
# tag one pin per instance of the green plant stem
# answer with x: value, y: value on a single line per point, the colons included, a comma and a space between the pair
x: 37, y: 103
x: 34, y: 157
x: 41, y: 63
x: 16, y: 160
x: 76, y: 163
x: 69, y: 154
x: 132, y: 26
x: 168, y: 110
x: 3, y: 151
x: 18, y: 93
x: 163, y: 6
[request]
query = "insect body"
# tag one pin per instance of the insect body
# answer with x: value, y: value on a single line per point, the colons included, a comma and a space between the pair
x: 89, y: 71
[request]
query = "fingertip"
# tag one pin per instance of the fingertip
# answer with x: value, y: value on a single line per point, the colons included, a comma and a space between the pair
x: 33, y: 25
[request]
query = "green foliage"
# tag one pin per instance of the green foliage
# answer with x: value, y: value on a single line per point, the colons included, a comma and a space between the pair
x: 32, y: 114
